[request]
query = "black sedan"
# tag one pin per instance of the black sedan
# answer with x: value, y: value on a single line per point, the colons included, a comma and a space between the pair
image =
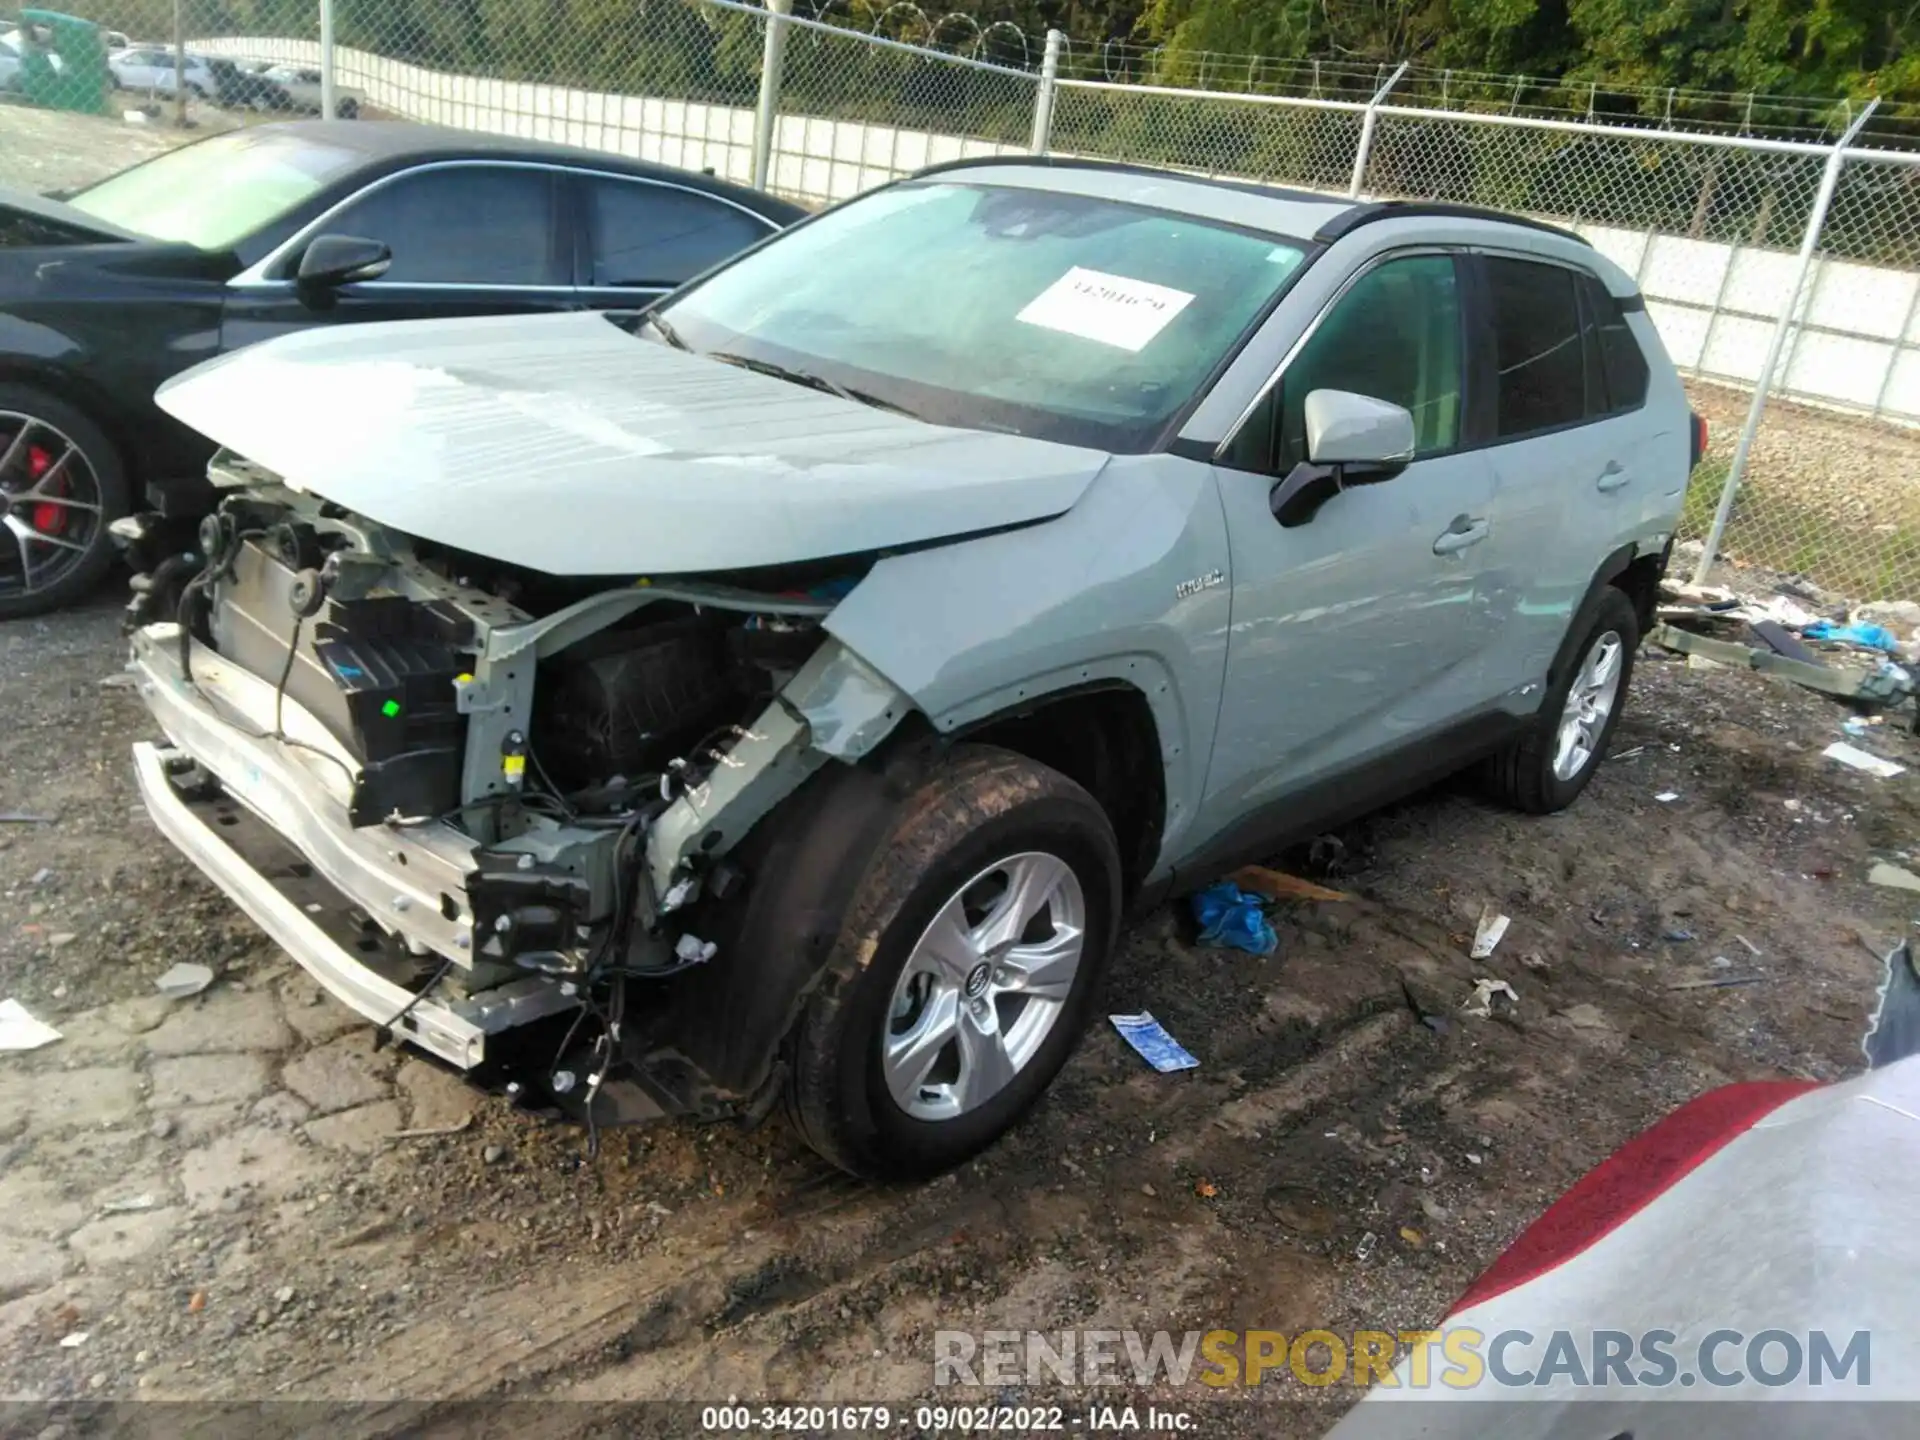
x: 261, y: 231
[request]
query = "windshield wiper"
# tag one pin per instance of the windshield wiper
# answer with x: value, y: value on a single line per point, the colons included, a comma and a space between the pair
x: 665, y: 331
x: 808, y: 379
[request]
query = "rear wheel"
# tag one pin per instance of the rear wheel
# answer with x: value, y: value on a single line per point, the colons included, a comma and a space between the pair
x: 964, y: 971
x: 1547, y: 768
x: 61, y: 484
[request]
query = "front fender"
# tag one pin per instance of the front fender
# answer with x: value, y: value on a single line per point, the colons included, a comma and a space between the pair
x: 1129, y: 586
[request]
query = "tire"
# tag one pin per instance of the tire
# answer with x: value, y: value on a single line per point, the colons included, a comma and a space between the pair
x: 1533, y: 774
x: 981, y: 819
x: 92, y: 492
x: 348, y: 109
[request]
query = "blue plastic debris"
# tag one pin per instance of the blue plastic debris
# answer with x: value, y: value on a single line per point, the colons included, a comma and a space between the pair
x: 1876, y: 637
x: 1229, y: 915
x: 1159, y: 1049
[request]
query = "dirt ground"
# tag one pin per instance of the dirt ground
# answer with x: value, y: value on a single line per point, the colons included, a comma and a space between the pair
x: 286, y: 1244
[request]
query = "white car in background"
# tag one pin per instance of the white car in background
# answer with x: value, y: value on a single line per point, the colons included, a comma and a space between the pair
x: 10, y: 59
x: 152, y: 68
x: 303, y: 85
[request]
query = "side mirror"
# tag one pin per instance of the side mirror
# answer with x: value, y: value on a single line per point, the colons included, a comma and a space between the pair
x: 1351, y: 440
x: 1358, y: 431
x: 331, y: 261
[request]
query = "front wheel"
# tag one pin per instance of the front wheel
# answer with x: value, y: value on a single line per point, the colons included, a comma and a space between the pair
x: 964, y: 971
x: 61, y: 484
x: 1546, y: 769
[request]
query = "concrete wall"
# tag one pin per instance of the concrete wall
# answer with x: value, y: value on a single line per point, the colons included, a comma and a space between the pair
x: 1857, y: 345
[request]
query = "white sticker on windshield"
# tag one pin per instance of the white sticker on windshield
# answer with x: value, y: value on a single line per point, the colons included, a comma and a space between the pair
x: 1109, y: 308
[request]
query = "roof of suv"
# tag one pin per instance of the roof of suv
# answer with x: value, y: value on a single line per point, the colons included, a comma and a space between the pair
x: 1284, y: 211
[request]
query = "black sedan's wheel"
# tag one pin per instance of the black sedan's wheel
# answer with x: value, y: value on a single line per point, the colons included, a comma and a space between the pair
x: 61, y: 485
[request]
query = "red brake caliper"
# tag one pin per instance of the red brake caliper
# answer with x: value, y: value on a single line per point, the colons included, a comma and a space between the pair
x: 47, y: 519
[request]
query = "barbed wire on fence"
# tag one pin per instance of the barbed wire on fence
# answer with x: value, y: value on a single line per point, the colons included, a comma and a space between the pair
x: 1123, y: 59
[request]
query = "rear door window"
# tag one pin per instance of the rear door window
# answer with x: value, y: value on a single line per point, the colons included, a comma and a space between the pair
x: 645, y: 235
x: 1540, y: 376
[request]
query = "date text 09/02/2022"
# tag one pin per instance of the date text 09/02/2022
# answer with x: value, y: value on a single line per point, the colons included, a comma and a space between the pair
x: 942, y: 1420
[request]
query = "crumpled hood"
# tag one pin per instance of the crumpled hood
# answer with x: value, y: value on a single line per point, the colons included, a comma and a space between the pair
x: 564, y: 444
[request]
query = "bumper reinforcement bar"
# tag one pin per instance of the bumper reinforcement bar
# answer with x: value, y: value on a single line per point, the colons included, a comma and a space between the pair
x: 456, y: 1031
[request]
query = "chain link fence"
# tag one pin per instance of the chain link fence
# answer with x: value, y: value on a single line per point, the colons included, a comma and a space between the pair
x: 1709, y: 211
x: 1297, y: 142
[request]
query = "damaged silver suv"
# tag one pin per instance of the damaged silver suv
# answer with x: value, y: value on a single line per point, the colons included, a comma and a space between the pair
x: 777, y: 699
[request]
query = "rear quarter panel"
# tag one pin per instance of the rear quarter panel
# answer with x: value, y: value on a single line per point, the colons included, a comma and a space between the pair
x: 1667, y: 446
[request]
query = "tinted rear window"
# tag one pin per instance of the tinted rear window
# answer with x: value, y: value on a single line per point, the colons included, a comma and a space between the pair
x: 1622, y: 362
x: 646, y: 234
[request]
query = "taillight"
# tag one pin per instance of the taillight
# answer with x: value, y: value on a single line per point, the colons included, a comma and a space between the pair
x: 1699, y: 440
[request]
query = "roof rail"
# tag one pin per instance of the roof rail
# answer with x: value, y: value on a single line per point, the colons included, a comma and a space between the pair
x: 1121, y: 167
x: 1365, y: 213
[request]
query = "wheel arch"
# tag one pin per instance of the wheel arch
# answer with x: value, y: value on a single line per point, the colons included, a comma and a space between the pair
x: 63, y: 384
x: 805, y: 858
x: 1635, y: 575
x: 1103, y: 735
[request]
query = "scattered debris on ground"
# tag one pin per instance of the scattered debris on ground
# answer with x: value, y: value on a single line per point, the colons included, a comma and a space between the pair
x: 1486, y: 995
x: 1150, y: 1038
x: 20, y: 1031
x: 1232, y: 917
x: 298, y: 1248
x: 184, y: 981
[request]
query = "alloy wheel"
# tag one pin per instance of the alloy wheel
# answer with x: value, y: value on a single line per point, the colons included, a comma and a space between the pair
x: 1583, y: 719
x: 984, y: 986
x: 50, y: 508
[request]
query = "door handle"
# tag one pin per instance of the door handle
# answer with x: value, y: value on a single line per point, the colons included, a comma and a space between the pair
x: 1466, y: 530
x: 1612, y: 478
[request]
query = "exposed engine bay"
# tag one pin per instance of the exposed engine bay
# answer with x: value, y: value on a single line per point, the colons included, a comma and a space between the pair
x: 526, y: 790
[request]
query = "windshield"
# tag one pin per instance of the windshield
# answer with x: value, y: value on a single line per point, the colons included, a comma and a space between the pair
x: 1070, y: 318
x: 216, y: 193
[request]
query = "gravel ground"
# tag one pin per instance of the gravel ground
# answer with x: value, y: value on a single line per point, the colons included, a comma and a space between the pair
x: 45, y: 150
x: 282, y: 1240
x: 1830, y: 496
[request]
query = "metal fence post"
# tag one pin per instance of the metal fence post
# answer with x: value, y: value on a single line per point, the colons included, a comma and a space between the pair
x: 1763, y: 382
x: 1366, y: 131
x: 1043, y: 97
x: 329, y: 107
x: 766, y: 113
x: 179, y: 65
